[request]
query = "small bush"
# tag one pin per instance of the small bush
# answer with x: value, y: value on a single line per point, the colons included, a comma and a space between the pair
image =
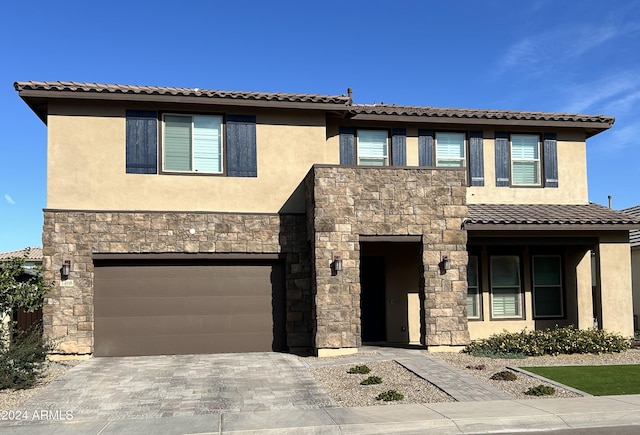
x: 359, y: 370
x: 23, y: 361
x: 540, y: 390
x: 372, y: 380
x: 390, y: 396
x: 477, y: 367
x: 566, y: 340
x: 504, y: 375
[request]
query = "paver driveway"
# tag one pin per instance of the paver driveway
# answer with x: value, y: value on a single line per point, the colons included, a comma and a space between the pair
x: 182, y: 385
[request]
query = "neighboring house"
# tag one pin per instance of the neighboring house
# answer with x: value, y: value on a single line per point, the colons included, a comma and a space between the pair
x: 32, y: 261
x: 634, y: 241
x: 199, y: 221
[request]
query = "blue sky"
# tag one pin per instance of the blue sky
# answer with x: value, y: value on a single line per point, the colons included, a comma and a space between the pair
x: 578, y: 56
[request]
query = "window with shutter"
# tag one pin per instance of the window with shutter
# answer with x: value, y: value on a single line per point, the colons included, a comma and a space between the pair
x: 525, y: 160
x: 192, y: 143
x: 450, y: 150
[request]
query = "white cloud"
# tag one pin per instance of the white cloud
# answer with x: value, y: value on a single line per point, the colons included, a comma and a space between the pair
x: 612, y: 95
x: 9, y: 199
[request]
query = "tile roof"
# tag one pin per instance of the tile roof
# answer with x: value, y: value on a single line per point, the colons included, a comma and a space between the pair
x: 35, y: 253
x: 634, y: 235
x: 184, y: 92
x: 34, y: 92
x: 435, y: 112
x: 570, y: 216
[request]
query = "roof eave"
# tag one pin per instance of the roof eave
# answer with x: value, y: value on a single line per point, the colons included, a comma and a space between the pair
x: 547, y: 227
x: 591, y: 128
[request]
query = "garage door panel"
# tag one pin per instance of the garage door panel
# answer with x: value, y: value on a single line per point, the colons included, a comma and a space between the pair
x: 182, y: 306
x: 172, y: 344
x: 195, y: 325
x: 147, y: 308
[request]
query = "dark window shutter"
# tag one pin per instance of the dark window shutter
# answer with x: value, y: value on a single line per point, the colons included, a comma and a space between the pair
x: 476, y: 158
x: 347, y: 146
x: 141, y: 142
x: 241, y: 146
x: 550, y: 160
x: 502, y: 159
x: 425, y: 147
x: 399, y: 147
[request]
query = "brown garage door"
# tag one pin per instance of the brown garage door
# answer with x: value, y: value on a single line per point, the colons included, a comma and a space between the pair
x: 176, y: 307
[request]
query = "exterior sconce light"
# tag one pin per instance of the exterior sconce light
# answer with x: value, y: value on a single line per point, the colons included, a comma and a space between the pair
x: 66, y: 269
x: 444, y: 265
x: 337, y: 263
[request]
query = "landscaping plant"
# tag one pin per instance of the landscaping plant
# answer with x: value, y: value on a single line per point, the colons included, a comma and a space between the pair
x: 359, y: 370
x: 22, y: 353
x: 565, y: 340
x: 389, y: 396
x: 540, y: 390
x: 372, y: 380
x: 504, y: 375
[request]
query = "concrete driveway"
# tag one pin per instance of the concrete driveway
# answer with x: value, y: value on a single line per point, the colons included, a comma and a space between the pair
x: 181, y: 385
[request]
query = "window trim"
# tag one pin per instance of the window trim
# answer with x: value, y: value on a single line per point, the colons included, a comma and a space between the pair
x: 538, y: 161
x: 533, y: 287
x: 520, y: 296
x: 161, y: 144
x: 465, y: 149
x: 357, y: 147
x: 478, y: 293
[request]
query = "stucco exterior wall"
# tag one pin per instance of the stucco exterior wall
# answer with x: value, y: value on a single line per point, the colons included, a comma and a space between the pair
x: 635, y: 280
x: 614, y: 256
x: 572, y: 177
x: 86, y: 166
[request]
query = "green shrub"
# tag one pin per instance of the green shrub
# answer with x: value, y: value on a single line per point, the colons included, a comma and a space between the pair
x: 540, y: 390
x: 504, y: 375
x: 477, y: 367
x: 565, y: 340
x: 23, y: 361
x: 390, y: 396
x: 371, y: 380
x: 359, y: 370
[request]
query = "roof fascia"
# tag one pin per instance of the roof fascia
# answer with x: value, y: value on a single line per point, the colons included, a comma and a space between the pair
x: 26, y: 94
x: 550, y: 227
x: 586, y: 125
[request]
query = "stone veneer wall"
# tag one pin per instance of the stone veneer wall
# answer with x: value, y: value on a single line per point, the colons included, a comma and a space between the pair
x: 77, y: 235
x: 344, y: 203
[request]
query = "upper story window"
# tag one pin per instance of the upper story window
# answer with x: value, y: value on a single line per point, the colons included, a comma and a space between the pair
x: 525, y: 160
x: 450, y: 150
x: 373, y: 147
x: 192, y: 143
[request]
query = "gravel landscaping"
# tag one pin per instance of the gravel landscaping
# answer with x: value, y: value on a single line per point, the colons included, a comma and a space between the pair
x: 345, y: 389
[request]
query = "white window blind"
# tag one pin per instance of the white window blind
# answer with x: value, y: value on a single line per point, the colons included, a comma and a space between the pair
x: 473, y: 310
x: 525, y: 159
x: 450, y: 149
x: 506, y: 297
x: 192, y: 143
x: 373, y: 147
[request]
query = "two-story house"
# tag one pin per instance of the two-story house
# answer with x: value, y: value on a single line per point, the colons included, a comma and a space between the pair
x: 190, y: 220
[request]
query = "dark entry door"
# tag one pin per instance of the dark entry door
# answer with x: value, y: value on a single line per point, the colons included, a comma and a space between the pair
x: 372, y: 299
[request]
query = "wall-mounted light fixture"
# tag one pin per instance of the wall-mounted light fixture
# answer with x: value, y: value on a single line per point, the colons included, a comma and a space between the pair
x: 337, y: 263
x: 445, y: 264
x: 65, y: 270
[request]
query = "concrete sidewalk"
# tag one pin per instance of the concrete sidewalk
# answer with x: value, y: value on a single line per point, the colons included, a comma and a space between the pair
x: 438, y: 418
